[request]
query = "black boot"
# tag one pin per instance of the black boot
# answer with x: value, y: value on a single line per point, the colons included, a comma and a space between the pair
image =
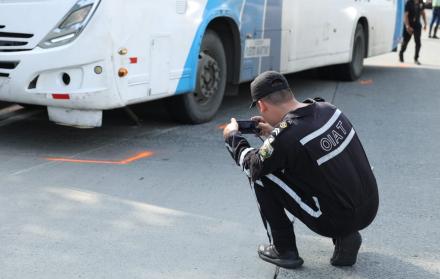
x: 286, y: 259
x: 346, y: 250
x: 401, y: 57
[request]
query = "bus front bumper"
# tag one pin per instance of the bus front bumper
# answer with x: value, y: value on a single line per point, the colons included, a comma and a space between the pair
x: 67, y: 77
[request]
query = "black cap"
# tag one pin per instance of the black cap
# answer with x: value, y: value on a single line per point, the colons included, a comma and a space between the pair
x: 267, y: 83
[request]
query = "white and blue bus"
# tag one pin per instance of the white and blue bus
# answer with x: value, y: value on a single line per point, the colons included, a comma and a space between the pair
x: 80, y: 57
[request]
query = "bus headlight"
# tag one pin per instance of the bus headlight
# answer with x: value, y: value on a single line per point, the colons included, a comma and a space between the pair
x: 72, y: 24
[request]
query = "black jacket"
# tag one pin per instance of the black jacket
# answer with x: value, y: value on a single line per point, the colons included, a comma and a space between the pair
x: 315, y: 151
x: 414, y: 12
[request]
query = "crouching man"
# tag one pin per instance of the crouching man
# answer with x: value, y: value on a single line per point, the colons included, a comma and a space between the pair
x: 313, y: 165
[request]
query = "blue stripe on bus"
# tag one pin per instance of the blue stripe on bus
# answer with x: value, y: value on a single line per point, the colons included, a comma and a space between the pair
x: 273, y: 31
x: 398, y: 31
x: 213, y: 9
x: 251, y: 24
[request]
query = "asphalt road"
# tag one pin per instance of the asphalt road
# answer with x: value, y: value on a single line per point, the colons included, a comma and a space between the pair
x: 163, y: 200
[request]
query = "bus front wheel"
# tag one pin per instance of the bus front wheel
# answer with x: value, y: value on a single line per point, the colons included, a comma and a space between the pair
x: 353, y: 70
x: 202, y: 105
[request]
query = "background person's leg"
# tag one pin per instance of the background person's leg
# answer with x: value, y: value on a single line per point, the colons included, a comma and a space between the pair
x: 437, y: 20
x: 417, y: 39
x: 433, y: 19
x: 405, y: 41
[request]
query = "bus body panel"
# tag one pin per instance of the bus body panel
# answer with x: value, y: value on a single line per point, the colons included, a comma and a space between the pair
x: 160, y: 49
x: 398, y: 29
x: 327, y: 44
x: 26, y: 17
x: 261, y: 29
x: 86, y: 90
x: 381, y: 28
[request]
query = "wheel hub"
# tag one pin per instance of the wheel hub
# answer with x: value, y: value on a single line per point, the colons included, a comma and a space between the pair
x: 209, y: 78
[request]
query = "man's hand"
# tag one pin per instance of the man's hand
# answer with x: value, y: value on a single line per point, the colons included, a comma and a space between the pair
x: 265, y: 128
x: 409, y: 29
x: 230, y: 128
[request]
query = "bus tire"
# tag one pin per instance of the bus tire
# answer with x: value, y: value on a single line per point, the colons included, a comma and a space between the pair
x: 353, y: 70
x: 202, y: 105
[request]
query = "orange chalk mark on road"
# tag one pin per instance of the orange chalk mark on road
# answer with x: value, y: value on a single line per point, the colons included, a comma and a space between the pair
x: 400, y: 65
x: 222, y: 126
x: 366, y: 82
x: 137, y: 157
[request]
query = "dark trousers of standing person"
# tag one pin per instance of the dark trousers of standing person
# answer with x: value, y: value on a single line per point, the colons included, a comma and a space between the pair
x: 435, y: 19
x: 417, y: 38
x: 274, y: 201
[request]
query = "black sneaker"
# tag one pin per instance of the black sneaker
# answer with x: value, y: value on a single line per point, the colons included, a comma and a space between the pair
x: 417, y: 62
x: 401, y: 57
x: 288, y: 259
x: 346, y: 250
x: 435, y: 37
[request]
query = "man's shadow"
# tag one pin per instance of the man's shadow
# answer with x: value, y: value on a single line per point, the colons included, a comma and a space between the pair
x: 369, y: 265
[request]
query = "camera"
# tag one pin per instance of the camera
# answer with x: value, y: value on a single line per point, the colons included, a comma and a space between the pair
x: 248, y: 127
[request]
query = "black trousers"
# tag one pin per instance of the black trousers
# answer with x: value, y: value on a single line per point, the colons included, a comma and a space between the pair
x: 275, y: 198
x: 407, y: 37
x: 435, y: 19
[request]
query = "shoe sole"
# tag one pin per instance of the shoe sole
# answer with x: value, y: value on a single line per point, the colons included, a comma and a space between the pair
x: 287, y: 264
x: 349, y: 258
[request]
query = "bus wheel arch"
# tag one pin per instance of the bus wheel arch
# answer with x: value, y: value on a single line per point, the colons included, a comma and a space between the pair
x: 222, y: 39
x: 228, y: 31
x: 201, y: 105
x: 352, y: 70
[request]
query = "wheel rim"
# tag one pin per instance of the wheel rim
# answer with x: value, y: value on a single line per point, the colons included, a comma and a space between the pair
x: 208, y: 81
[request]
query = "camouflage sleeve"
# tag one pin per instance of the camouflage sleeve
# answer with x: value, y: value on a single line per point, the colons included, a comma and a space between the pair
x: 256, y: 163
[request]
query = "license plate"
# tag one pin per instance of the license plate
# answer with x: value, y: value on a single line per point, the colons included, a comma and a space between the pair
x: 255, y: 48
